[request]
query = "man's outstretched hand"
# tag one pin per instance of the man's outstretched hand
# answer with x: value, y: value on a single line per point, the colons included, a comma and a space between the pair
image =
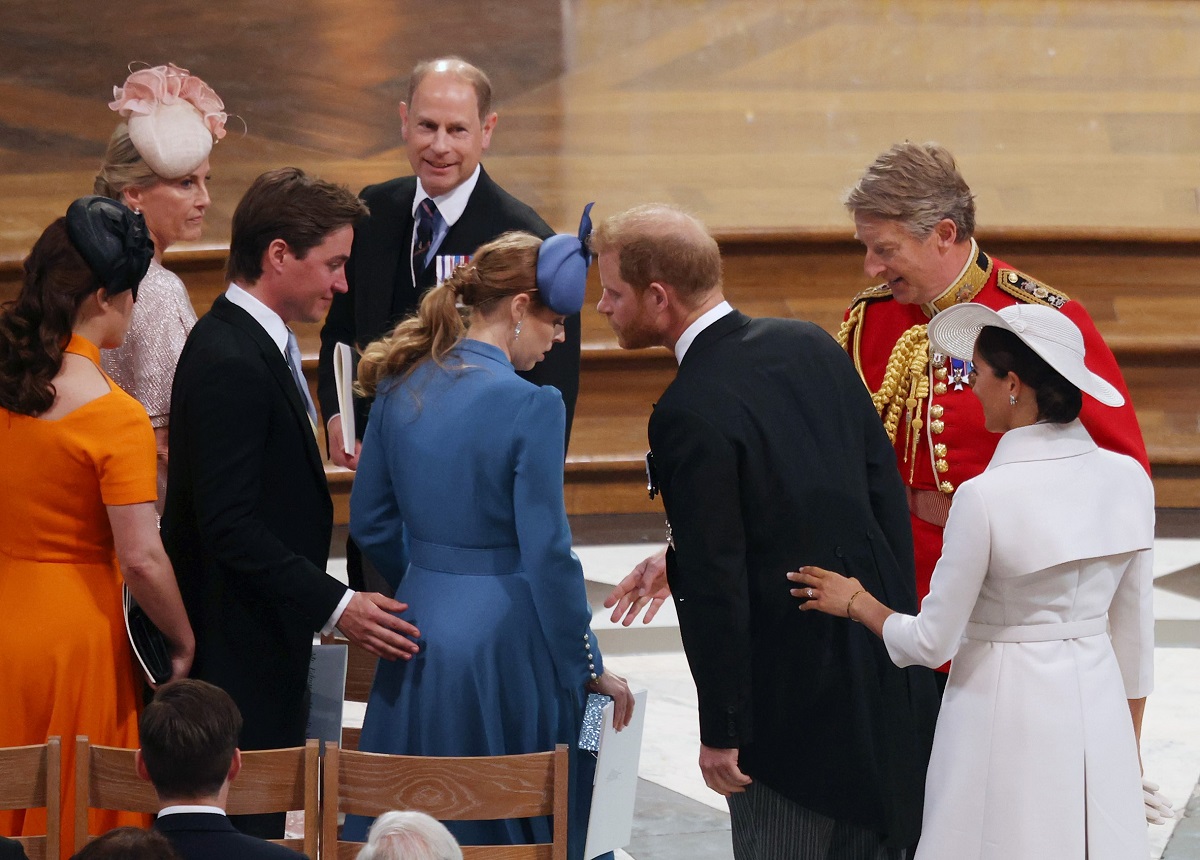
x: 644, y: 588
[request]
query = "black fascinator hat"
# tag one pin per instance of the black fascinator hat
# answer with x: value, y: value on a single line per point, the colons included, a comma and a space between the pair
x: 113, y: 241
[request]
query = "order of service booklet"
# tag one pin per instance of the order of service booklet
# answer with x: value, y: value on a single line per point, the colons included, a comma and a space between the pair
x: 343, y: 378
x: 610, y: 825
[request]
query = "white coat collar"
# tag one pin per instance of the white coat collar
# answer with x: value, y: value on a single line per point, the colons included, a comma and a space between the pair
x: 1042, y: 442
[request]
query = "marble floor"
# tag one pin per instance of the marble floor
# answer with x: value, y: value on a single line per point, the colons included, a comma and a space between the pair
x: 678, y: 818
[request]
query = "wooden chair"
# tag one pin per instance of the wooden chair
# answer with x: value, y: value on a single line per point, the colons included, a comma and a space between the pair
x: 451, y: 789
x: 30, y: 778
x: 269, y: 781
x: 360, y: 675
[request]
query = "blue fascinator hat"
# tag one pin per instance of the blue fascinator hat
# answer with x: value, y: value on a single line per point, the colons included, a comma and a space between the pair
x: 562, y: 265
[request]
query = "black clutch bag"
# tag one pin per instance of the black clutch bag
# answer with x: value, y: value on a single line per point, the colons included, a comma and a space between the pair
x: 149, y: 644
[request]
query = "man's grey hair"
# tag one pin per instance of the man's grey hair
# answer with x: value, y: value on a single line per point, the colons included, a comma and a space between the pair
x: 918, y: 185
x: 409, y: 835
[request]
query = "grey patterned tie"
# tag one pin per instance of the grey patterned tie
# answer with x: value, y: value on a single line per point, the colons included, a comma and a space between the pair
x: 295, y: 366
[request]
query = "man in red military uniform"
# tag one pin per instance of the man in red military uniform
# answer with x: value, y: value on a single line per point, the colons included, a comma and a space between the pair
x: 916, y: 215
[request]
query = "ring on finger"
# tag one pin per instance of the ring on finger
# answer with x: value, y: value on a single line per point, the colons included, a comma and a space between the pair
x: 809, y: 591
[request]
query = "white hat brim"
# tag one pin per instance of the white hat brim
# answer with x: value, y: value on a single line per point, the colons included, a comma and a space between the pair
x: 955, y: 330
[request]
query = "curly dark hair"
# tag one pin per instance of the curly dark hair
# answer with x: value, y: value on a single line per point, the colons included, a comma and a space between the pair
x: 36, y: 327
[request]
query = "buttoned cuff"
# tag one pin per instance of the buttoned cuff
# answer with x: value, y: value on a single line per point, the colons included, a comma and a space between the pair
x: 592, y: 651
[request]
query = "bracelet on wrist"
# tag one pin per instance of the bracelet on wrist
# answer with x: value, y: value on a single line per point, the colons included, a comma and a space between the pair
x: 850, y: 603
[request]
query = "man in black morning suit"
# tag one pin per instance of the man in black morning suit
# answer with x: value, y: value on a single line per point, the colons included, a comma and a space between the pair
x: 768, y: 451
x: 189, y: 753
x: 248, y: 516
x: 447, y: 123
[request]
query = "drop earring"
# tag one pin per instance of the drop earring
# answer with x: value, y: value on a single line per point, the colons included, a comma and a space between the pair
x: 1012, y: 400
x: 517, y: 330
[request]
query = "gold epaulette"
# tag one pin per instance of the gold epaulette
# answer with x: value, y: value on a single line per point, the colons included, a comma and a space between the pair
x: 1027, y: 289
x: 879, y: 291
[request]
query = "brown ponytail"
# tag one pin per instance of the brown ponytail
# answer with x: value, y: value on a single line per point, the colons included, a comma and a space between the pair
x: 502, y: 268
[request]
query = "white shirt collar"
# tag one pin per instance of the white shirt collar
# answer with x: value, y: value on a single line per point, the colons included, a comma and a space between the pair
x: 452, y: 204
x: 271, y: 322
x: 698, y: 325
x: 184, y: 809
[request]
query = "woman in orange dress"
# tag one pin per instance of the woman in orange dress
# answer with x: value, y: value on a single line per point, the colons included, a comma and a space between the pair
x: 77, y: 493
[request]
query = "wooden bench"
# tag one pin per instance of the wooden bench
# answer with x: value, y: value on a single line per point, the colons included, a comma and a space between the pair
x: 1137, y: 286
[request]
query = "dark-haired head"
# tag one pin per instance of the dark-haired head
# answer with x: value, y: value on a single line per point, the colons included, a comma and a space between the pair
x: 288, y: 204
x: 36, y: 326
x: 188, y: 737
x: 128, y: 843
x: 1058, y: 401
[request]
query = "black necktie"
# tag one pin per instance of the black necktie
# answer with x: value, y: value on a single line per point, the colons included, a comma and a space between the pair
x: 426, y: 215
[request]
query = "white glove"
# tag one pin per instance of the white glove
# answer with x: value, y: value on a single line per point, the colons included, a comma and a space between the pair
x: 1158, y: 808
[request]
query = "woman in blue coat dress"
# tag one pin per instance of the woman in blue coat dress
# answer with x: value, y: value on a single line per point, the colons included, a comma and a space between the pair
x: 466, y: 457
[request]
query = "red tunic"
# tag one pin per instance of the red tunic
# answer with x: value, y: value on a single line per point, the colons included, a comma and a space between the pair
x: 951, y: 445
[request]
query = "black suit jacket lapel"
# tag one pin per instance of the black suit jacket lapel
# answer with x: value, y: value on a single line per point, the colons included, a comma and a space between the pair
x: 727, y: 324
x: 380, y: 260
x: 478, y: 221
x: 230, y: 313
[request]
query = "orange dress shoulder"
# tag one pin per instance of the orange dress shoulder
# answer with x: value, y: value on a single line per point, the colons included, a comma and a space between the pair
x: 67, y: 669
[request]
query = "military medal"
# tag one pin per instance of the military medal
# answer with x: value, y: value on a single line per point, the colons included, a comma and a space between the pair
x: 959, y: 371
x: 445, y: 264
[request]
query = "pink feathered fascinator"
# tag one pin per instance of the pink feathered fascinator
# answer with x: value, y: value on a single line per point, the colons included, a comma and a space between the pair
x: 173, y: 118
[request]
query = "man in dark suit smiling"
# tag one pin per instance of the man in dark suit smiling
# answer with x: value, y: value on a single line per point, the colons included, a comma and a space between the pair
x: 421, y: 225
x: 248, y: 516
x: 768, y: 450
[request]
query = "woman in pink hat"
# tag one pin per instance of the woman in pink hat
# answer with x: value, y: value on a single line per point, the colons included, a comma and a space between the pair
x: 157, y: 164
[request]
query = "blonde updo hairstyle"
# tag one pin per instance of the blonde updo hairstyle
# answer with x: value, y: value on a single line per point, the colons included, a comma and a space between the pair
x: 501, y: 269
x: 123, y: 167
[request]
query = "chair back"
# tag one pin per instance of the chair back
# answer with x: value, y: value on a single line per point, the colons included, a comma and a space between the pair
x: 269, y: 781
x: 480, y: 788
x: 360, y: 675
x: 30, y: 778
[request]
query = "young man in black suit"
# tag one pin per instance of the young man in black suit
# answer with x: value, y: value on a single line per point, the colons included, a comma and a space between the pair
x: 189, y: 753
x: 768, y: 451
x: 248, y: 516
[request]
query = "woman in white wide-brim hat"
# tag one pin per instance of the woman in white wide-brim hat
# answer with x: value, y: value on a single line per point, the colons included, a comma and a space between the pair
x: 157, y: 164
x: 1043, y: 598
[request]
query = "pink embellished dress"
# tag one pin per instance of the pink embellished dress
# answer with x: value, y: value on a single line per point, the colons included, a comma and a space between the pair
x: 144, y: 365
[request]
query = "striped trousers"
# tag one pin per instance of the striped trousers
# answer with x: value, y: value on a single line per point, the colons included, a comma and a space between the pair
x: 768, y: 826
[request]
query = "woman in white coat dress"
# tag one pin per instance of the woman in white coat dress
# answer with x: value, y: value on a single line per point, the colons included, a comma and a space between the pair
x: 1043, y: 598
